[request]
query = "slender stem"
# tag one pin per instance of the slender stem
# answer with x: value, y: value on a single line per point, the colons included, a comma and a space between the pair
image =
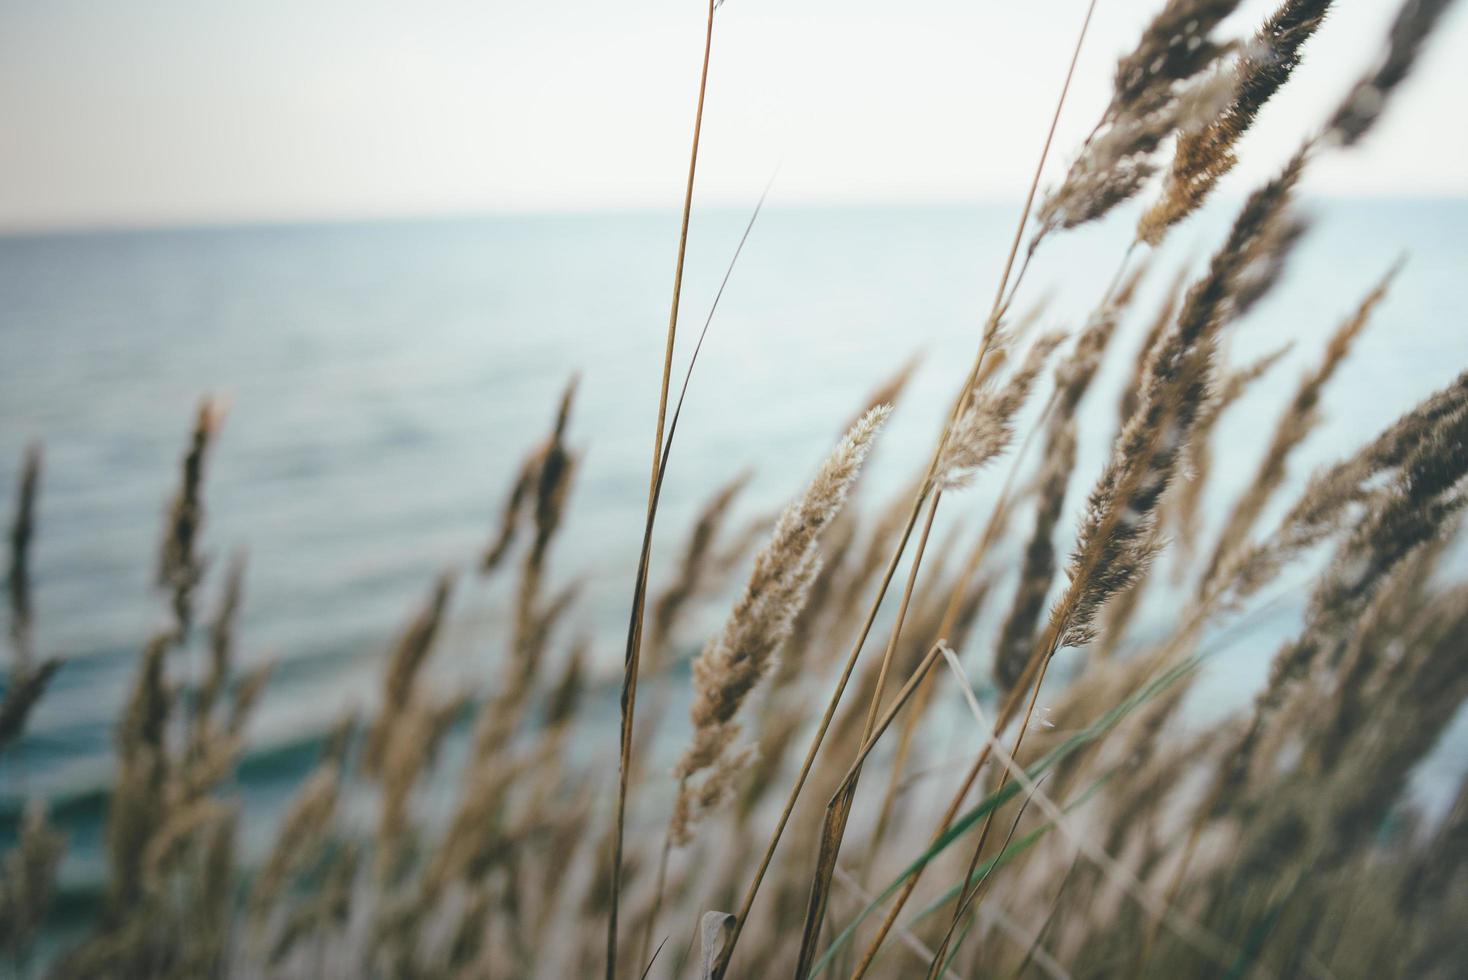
x: 640, y: 593
x: 968, y: 895
x: 870, y: 953
x: 1191, y: 931
x: 1006, y: 713
x: 1033, y: 676
x: 939, y: 963
x: 950, y: 614
x: 1035, y: 950
x: 840, y: 805
x: 918, y: 676
x: 815, y: 745
x: 1204, y: 607
x: 1019, y: 277
x: 925, y: 486
x: 647, y: 970
x: 629, y: 681
x: 1040, y: 166
x: 999, y: 306
x: 703, y: 80
x: 657, y: 901
x: 1169, y: 897
x: 902, y: 608
x: 909, y: 940
x: 1126, y: 259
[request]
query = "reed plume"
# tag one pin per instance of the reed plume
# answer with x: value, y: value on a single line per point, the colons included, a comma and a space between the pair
x: 18, y: 580
x: 1423, y: 497
x: 1186, y: 501
x: 1205, y: 154
x: 551, y: 469
x: 28, y: 679
x: 138, y: 799
x: 1072, y: 379
x: 1345, y: 490
x: 510, y: 514
x: 304, y: 828
x: 400, y: 679
x: 1162, y: 86
x: 1295, y: 424
x: 566, y: 696
x: 1141, y: 362
x: 418, y: 731
x: 24, y: 689
x: 180, y: 567
x: 1113, y: 544
x: 28, y: 881
x: 1276, y: 244
x: 324, y: 914
x: 221, y: 654
x: 985, y: 428
x: 1117, y: 538
x: 538, y: 493
x: 744, y: 651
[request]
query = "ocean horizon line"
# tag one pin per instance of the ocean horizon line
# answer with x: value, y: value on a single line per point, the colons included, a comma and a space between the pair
x: 723, y: 206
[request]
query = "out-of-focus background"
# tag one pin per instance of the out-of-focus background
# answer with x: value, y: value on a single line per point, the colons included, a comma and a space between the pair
x: 387, y: 235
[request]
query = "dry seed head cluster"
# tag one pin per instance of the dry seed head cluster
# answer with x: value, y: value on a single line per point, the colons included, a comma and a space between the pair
x: 743, y: 653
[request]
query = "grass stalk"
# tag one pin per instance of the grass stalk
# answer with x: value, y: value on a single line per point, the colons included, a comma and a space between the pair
x: 975, y: 559
x: 999, y: 305
x: 903, y: 696
x: 742, y: 916
x: 838, y: 810
x: 659, y: 460
x: 817, y: 904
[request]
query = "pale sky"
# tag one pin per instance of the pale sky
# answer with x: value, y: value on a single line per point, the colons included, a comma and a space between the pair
x: 183, y: 111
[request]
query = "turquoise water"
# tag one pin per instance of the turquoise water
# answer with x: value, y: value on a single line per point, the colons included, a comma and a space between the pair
x: 384, y: 381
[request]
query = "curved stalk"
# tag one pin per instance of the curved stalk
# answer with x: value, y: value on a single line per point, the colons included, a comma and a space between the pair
x: 632, y: 660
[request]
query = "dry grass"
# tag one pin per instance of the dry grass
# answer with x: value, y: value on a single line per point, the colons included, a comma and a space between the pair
x: 1108, y: 836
